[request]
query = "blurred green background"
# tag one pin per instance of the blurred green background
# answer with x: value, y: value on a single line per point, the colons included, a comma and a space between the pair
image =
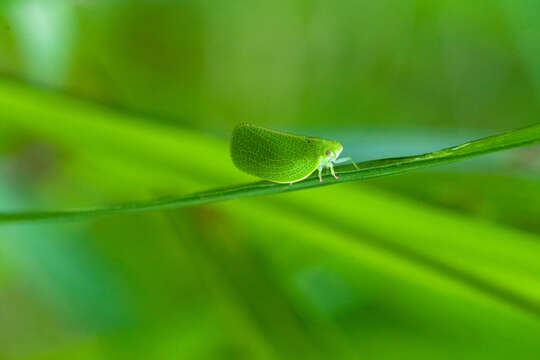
x: 110, y: 101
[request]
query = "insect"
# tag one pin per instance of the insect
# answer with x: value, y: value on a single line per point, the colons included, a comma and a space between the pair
x: 282, y: 157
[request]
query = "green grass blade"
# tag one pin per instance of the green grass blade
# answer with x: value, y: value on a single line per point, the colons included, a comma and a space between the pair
x: 367, y: 170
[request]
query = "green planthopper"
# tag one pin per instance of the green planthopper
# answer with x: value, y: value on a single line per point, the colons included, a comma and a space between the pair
x: 282, y: 157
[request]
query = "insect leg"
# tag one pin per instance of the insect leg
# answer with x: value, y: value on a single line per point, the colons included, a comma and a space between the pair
x: 320, y: 172
x: 331, y: 166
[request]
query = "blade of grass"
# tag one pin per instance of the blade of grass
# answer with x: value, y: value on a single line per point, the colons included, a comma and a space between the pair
x: 367, y: 170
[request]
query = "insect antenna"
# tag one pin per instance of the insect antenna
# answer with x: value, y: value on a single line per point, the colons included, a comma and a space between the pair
x: 345, y: 159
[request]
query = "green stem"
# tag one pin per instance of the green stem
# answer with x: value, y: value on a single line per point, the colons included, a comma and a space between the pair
x: 367, y: 170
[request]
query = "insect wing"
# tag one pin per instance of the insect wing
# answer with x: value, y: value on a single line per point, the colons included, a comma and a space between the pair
x: 273, y: 155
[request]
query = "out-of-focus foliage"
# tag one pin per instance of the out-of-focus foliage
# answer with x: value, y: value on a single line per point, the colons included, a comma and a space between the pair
x: 213, y: 64
x: 436, y: 264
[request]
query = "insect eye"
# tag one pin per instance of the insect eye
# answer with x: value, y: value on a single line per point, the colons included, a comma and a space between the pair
x: 328, y: 153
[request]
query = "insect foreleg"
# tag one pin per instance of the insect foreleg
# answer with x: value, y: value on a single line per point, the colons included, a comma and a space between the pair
x: 331, y: 166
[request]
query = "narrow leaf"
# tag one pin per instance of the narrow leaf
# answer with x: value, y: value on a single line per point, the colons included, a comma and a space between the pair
x: 367, y: 170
